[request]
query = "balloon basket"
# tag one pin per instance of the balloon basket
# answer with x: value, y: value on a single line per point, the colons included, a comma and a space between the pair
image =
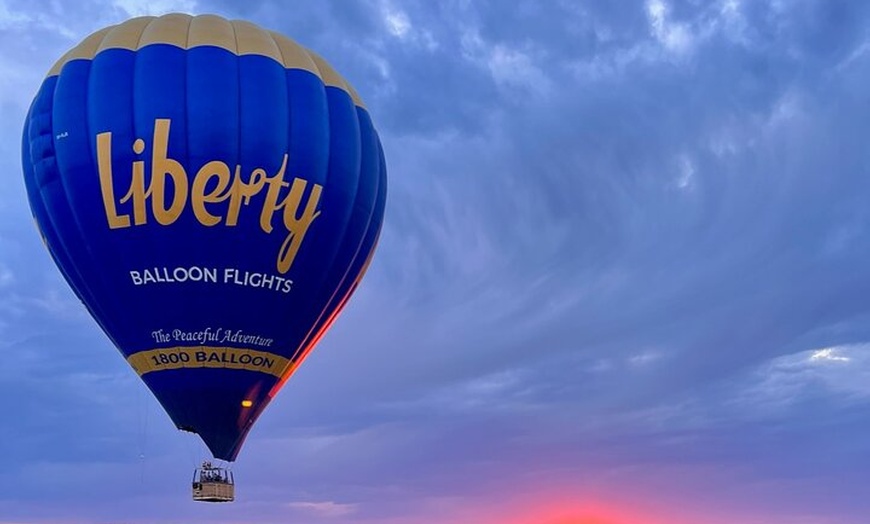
x: 213, y: 484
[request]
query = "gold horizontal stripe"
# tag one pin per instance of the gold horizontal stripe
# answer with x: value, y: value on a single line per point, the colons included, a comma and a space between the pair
x: 207, y: 357
x: 186, y: 32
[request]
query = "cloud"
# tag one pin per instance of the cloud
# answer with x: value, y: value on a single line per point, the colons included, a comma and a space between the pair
x: 155, y: 7
x: 9, y: 18
x: 675, y: 37
x: 6, y: 276
x: 323, y: 509
x: 838, y: 373
x: 828, y: 354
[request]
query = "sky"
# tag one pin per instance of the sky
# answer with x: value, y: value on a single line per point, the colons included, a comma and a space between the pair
x: 622, y: 279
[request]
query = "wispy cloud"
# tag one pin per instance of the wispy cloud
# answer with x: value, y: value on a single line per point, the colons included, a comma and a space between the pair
x: 323, y: 509
x: 155, y: 7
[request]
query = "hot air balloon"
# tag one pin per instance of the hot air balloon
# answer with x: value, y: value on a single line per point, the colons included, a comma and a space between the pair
x: 213, y: 193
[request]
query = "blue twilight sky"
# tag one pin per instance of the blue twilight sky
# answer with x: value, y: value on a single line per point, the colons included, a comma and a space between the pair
x: 624, y: 272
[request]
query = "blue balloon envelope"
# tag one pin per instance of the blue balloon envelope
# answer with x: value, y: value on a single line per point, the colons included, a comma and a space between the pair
x: 213, y: 193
